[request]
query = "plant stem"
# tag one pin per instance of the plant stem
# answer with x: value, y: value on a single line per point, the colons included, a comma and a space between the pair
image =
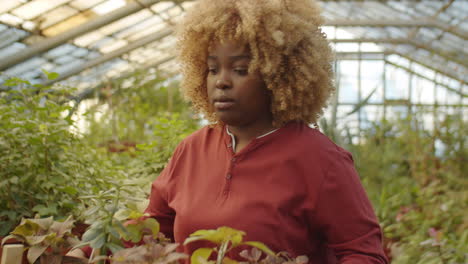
x: 222, y: 252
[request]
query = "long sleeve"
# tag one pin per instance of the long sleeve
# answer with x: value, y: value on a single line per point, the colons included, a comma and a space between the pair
x: 158, y: 207
x: 345, y: 215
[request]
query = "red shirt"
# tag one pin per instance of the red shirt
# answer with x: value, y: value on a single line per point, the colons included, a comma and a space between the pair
x: 294, y: 190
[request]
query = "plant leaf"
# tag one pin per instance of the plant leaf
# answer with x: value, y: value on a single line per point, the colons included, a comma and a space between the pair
x: 50, y: 75
x: 61, y: 228
x: 44, y: 223
x: 362, y: 103
x: 227, y: 260
x: 5, y: 239
x: 99, y: 241
x: 114, y: 247
x: 35, y: 240
x: 79, y: 245
x: 26, y: 228
x: 35, y: 252
x: 15, y: 81
x: 91, y: 234
x: 152, y: 225
x: 217, y: 236
x: 200, y: 254
x: 260, y: 246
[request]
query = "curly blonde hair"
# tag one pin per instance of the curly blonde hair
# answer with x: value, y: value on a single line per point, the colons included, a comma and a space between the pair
x: 287, y: 47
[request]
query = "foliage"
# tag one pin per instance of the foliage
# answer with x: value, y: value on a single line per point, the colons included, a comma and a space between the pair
x: 47, y: 169
x: 127, y: 108
x: 151, y: 252
x: 157, y: 249
x: 153, y: 140
x: 43, y: 166
x: 226, y: 239
x: 416, y: 178
x: 151, y: 157
x: 47, y: 239
x: 106, y: 214
x: 254, y: 256
x: 139, y: 119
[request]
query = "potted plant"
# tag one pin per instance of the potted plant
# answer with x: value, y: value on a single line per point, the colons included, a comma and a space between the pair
x: 152, y: 251
x: 47, y: 240
x: 226, y: 239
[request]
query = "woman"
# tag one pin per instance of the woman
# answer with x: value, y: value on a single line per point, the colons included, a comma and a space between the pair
x: 260, y: 71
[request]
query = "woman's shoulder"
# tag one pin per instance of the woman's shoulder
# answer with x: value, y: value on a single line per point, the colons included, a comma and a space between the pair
x: 203, y: 135
x: 312, y: 141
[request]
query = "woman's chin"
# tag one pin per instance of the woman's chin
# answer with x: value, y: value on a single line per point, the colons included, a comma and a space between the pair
x: 230, y: 119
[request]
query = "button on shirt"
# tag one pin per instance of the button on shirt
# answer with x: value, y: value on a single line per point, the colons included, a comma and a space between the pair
x: 292, y: 189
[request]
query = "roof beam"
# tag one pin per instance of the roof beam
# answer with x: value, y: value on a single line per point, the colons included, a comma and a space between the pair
x: 377, y: 55
x: 399, y: 41
x: 380, y: 55
x: 406, y: 104
x: 60, y: 39
x: 114, y: 54
x: 450, y: 75
x: 424, y: 77
x: 360, y: 55
x: 395, y: 23
x: 88, y: 93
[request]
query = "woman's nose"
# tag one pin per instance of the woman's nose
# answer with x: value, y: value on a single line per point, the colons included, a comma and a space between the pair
x: 223, y: 81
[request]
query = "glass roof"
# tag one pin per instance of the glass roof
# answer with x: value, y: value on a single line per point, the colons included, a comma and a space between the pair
x: 88, y: 40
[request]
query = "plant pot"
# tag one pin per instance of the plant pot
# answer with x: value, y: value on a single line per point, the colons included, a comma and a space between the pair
x: 13, y: 241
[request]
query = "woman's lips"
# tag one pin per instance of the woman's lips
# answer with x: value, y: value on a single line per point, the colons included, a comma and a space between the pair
x: 223, y: 105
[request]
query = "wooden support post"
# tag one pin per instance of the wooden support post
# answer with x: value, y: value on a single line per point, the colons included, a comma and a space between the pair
x: 12, y: 254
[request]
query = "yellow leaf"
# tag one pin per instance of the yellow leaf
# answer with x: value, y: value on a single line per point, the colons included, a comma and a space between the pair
x: 218, y: 236
x: 43, y: 128
x: 200, y: 255
x: 227, y: 260
x: 260, y: 246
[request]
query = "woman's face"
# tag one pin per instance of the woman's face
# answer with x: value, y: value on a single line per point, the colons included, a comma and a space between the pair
x: 239, y: 98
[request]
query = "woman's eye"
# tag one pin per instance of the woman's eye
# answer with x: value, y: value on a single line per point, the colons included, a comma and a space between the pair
x: 241, y: 71
x: 212, y: 70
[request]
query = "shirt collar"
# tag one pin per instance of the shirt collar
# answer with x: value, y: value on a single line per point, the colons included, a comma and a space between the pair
x: 233, y: 139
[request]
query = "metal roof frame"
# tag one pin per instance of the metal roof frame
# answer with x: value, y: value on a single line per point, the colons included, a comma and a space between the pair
x: 413, y: 43
x: 368, y: 15
x: 114, y: 54
x: 53, y: 42
x: 401, y: 23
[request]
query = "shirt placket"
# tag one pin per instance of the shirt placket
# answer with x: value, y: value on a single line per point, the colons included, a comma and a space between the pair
x: 229, y: 174
x: 235, y: 158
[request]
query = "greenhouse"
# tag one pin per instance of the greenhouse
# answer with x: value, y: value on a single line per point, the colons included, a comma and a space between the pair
x: 91, y: 112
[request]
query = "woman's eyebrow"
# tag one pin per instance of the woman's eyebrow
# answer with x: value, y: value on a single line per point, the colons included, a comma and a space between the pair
x: 232, y: 58
x: 239, y: 57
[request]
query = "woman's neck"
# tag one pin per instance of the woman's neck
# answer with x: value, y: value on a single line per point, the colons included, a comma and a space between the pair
x: 245, y: 134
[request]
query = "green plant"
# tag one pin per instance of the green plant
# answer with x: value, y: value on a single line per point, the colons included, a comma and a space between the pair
x: 106, y: 215
x: 151, y: 252
x: 415, y: 177
x: 44, y: 167
x: 226, y: 239
x: 127, y: 107
x: 47, y: 240
x: 253, y: 256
